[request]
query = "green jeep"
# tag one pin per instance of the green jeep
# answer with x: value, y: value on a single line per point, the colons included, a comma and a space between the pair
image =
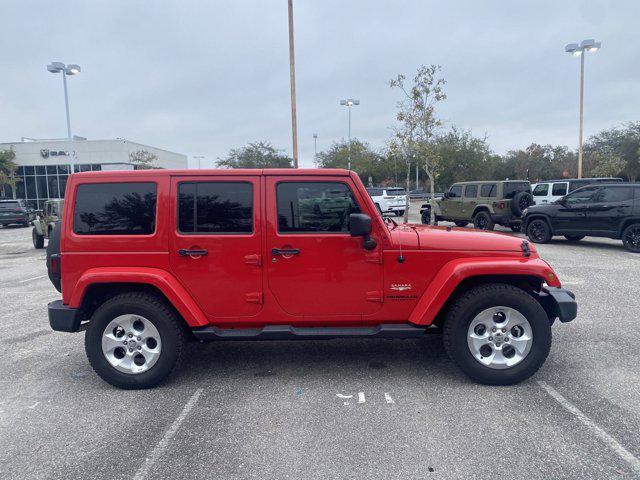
x: 45, y: 220
x: 484, y: 204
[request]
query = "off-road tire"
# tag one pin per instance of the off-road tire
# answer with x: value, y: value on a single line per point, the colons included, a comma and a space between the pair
x: 461, y: 223
x: 38, y: 240
x: 478, y: 299
x: 482, y: 221
x: 425, y: 218
x: 574, y: 238
x: 630, y: 237
x: 519, y: 202
x: 154, y: 309
x: 539, y: 231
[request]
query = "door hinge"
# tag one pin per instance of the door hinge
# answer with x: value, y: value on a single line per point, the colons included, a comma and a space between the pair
x: 373, y: 258
x: 253, y: 297
x: 254, y: 259
x: 374, y: 296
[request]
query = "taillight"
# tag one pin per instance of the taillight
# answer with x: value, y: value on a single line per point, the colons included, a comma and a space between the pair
x: 55, y: 264
x: 501, y: 205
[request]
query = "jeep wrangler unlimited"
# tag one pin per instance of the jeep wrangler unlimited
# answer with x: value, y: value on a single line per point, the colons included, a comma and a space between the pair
x: 45, y: 221
x: 484, y: 204
x: 147, y: 259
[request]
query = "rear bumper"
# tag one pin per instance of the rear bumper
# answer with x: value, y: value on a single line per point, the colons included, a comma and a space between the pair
x: 559, y: 303
x: 63, y: 318
x: 505, y: 219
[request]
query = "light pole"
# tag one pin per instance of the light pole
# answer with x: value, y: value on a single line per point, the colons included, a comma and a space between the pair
x: 349, y: 102
x: 589, y: 45
x: 315, y: 146
x: 199, y: 158
x: 71, y: 69
x: 292, y: 82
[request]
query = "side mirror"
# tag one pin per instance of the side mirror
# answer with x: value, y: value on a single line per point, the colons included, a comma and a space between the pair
x: 445, y: 195
x: 360, y: 226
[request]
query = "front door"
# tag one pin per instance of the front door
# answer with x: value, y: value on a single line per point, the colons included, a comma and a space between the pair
x: 451, y: 207
x: 571, y: 216
x: 215, y: 248
x: 315, y: 267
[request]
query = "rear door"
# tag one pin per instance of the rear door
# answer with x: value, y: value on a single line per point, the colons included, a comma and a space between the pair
x: 315, y: 267
x: 610, y: 206
x: 470, y: 200
x: 215, y: 250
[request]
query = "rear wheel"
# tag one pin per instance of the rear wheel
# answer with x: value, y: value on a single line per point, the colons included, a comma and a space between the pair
x: 498, y: 334
x: 574, y: 238
x: 38, y: 240
x: 426, y: 217
x: 482, y: 221
x: 461, y: 223
x: 631, y: 238
x: 134, y: 340
x: 538, y: 231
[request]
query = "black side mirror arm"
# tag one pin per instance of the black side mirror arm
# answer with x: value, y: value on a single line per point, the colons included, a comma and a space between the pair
x: 369, y: 243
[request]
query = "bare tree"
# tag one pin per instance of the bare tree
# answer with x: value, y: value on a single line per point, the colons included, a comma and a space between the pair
x: 418, y: 123
x: 143, y: 160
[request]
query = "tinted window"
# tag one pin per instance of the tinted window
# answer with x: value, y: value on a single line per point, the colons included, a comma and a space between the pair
x: 581, y: 196
x: 511, y: 188
x: 375, y: 192
x: 395, y: 191
x: 614, y: 194
x: 471, y: 191
x: 455, y: 191
x: 575, y: 184
x: 559, y: 189
x: 314, y: 207
x: 488, y: 190
x: 215, y: 207
x: 115, y: 209
x: 541, y: 190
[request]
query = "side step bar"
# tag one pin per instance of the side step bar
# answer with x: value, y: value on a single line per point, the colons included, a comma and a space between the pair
x: 289, y: 332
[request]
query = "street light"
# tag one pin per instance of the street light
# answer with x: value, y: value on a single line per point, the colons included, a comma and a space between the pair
x: 315, y: 146
x: 349, y: 102
x: 578, y: 50
x: 71, y: 69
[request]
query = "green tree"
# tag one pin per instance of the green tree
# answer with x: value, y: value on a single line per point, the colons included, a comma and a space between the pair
x: 623, y: 142
x: 366, y: 162
x: 606, y: 163
x: 256, y: 155
x: 418, y: 123
x: 8, y: 172
x: 143, y: 160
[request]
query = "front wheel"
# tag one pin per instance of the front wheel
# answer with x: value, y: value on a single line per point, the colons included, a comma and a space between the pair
x: 134, y: 340
x: 538, y: 231
x: 631, y: 238
x: 497, y: 334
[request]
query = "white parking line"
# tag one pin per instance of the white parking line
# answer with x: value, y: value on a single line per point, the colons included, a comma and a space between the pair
x: 388, y: 398
x: 162, y: 445
x: 29, y: 279
x: 611, y: 442
x: 361, y: 397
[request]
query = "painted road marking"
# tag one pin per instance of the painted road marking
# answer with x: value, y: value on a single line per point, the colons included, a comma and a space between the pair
x: 361, y: 397
x: 162, y: 445
x: 611, y: 442
x: 388, y: 398
x: 29, y: 279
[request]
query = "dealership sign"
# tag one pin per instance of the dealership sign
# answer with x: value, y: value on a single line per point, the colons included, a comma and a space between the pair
x: 46, y: 153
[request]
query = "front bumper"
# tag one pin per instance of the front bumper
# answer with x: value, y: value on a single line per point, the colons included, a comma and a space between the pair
x: 559, y: 303
x: 63, y: 318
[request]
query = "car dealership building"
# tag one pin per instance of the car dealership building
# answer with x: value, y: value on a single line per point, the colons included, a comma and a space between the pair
x: 44, y: 165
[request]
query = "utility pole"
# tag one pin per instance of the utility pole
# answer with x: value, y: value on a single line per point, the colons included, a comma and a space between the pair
x: 292, y: 71
x: 315, y: 147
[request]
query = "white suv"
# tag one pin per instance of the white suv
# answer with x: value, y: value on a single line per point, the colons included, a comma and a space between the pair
x: 552, y: 190
x: 389, y: 199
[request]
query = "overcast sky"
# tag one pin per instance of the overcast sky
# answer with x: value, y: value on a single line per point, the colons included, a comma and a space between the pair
x: 202, y: 77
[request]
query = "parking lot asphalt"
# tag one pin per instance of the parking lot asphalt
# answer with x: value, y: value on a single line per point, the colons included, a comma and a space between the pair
x: 327, y: 409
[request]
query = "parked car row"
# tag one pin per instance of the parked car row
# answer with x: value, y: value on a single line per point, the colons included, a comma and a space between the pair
x: 389, y: 199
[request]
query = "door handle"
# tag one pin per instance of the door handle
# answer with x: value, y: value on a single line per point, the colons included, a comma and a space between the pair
x: 183, y: 252
x: 285, y: 251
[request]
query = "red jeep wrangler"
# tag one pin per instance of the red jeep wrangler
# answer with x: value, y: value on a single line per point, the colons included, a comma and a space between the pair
x: 148, y: 259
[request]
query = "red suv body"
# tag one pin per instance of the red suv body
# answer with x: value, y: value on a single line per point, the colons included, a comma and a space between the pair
x: 253, y: 254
